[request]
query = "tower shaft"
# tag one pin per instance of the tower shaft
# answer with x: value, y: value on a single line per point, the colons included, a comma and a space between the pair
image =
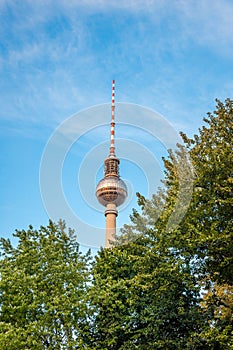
x: 111, y: 215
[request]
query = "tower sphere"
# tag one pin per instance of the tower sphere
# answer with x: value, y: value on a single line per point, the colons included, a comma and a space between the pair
x: 111, y: 189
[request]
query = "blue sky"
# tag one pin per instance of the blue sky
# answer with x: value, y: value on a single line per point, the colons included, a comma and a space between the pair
x: 57, y: 59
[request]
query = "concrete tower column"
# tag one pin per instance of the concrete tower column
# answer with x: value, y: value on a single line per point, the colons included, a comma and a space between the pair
x: 111, y: 214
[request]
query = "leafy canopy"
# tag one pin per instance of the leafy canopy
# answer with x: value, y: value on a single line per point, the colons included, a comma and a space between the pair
x: 42, y: 290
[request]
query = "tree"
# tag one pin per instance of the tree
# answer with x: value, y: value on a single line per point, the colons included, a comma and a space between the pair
x: 209, y: 219
x: 42, y: 290
x: 167, y: 283
x: 145, y: 298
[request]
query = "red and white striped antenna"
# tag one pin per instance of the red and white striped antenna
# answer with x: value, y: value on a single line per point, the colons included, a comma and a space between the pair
x: 112, y: 143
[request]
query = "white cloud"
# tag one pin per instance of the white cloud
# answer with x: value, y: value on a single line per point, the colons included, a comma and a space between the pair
x: 208, y: 23
x: 104, y: 5
x: 61, y: 75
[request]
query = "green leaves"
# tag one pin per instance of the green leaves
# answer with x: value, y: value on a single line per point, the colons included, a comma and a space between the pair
x: 165, y: 284
x: 143, y: 297
x: 150, y: 290
x: 43, y: 287
x: 211, y: 211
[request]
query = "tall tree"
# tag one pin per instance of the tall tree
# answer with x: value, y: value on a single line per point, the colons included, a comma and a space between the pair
x: 145, y: 298
x: 210, y: 221
x: 167, y: 284
x: 42, y: 290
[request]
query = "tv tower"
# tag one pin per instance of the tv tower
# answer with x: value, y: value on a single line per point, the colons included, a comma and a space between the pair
x: 111, y: 191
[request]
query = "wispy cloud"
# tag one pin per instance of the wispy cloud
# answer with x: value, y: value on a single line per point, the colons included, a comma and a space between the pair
x: 58, y: 57
x: 208, y: 22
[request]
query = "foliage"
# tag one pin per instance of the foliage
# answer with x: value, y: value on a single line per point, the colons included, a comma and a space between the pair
x: 210, y: 221
x: 144, y: 298
x: 167, y: 282
x: 218, y: 305
x: 42, y: 288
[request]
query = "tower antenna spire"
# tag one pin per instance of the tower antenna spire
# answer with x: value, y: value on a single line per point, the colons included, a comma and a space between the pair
x: 112, y: 136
